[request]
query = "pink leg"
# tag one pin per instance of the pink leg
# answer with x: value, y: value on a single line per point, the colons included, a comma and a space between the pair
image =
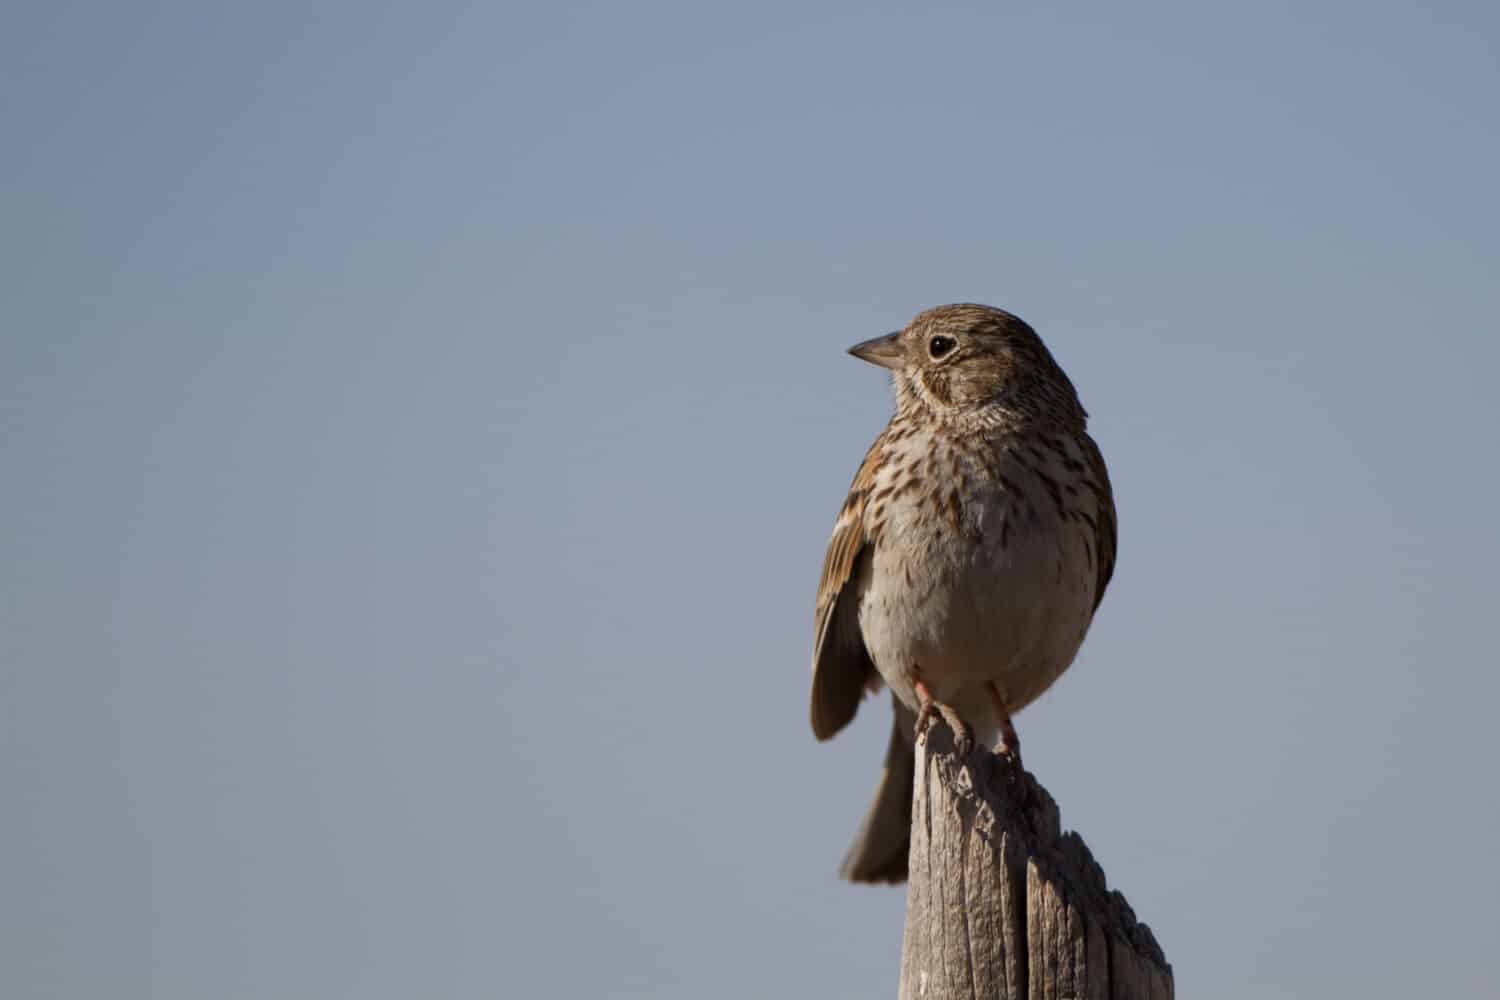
x: 963, y: 735
x: 1010, y: 743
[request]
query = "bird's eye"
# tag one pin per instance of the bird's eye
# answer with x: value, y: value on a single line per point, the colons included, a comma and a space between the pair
x: 939, y: 346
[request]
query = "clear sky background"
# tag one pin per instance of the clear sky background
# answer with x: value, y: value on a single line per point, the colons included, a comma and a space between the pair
x: 421, y: 426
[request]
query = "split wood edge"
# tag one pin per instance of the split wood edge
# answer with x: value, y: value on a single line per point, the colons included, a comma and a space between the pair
x: 1001, y: 903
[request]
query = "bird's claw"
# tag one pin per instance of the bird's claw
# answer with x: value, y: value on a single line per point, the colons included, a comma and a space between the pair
x: 1009, y: 746
x: 963, y: 734
x: 1011, y: 755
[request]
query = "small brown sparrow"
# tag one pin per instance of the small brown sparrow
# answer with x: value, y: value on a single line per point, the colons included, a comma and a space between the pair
x: 969, y: 557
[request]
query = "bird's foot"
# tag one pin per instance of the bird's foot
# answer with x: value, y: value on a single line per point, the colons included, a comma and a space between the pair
x: 963, y: 734
x: 1009, y: 746
x: 1012, y: 757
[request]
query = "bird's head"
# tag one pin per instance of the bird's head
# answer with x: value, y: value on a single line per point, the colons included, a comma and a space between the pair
x: 967, y: 359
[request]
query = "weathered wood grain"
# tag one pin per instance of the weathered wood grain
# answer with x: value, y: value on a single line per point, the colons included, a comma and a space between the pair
x: 1002, y: 904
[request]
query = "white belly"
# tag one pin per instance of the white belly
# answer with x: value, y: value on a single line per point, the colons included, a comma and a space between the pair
x: 1007, y: 598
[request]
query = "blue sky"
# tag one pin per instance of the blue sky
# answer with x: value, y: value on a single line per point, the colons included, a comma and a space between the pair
x: 422, y: 427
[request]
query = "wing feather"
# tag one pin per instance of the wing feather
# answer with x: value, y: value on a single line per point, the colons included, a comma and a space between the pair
x: 1105, y: 526
x: 842, y: 668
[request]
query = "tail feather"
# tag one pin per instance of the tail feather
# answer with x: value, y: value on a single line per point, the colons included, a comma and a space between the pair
x: 880, y: 848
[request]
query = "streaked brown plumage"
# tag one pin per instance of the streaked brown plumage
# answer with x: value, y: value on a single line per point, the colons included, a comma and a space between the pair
x: 967, y: 562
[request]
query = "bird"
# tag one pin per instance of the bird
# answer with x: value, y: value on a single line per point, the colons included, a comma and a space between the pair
x: 969, y: 557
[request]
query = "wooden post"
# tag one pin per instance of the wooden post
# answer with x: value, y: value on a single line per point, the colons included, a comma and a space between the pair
x: 1002, y: 903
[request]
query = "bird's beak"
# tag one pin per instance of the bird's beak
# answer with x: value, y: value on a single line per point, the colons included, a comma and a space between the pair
x: 883, y: 351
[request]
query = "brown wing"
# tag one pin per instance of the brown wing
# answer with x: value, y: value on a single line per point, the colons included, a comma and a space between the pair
x: 842, y: 668
x: 1105, y: 527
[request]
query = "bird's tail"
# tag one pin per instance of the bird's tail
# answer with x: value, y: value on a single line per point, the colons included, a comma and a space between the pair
x: 879, y: 851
